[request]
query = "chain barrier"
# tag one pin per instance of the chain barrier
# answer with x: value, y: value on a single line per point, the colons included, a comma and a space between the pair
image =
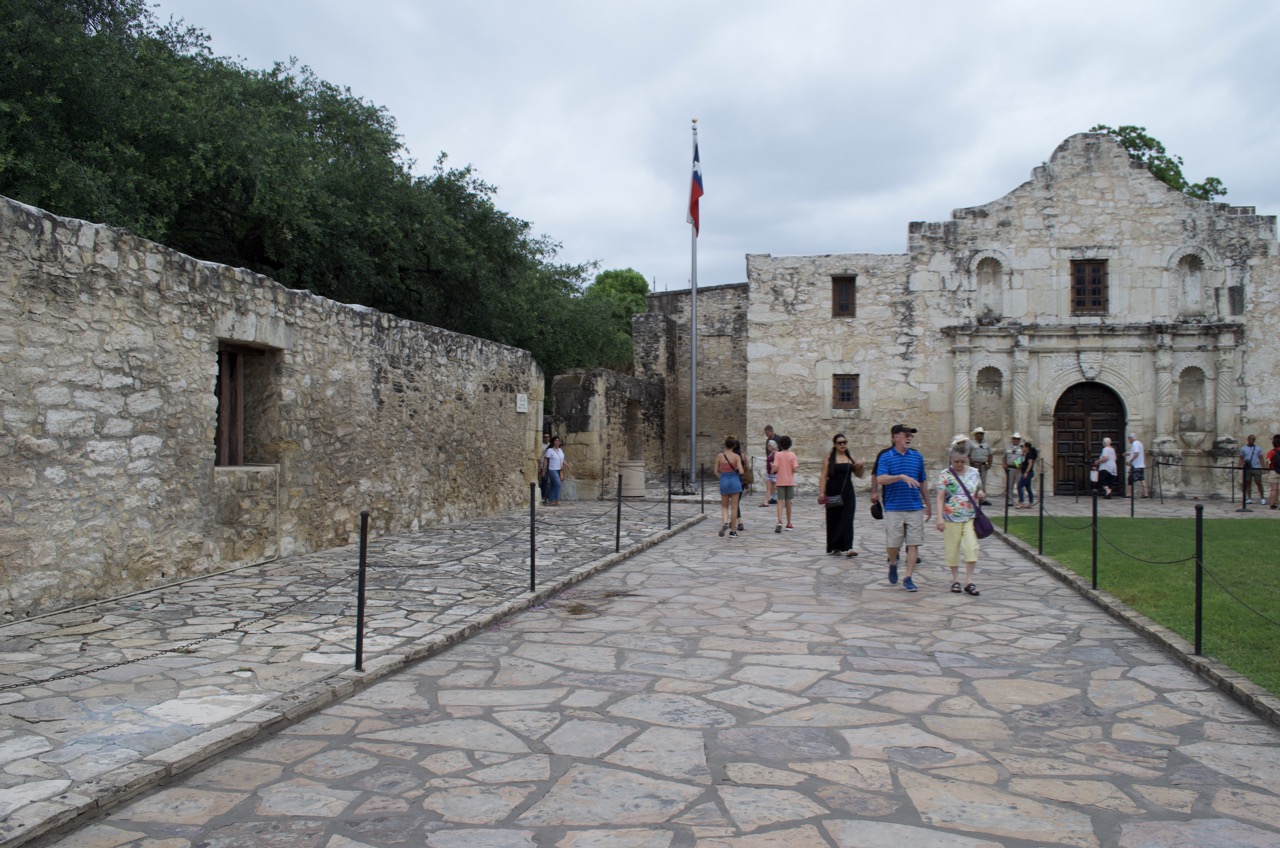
x: 1242, y: 603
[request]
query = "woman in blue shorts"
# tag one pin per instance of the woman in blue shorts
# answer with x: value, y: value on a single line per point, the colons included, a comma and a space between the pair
x: 729, y: 466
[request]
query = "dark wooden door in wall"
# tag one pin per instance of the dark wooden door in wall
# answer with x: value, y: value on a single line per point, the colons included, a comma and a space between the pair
x: 1085, y: 414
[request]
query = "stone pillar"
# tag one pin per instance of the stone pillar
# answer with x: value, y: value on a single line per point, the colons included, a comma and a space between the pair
x: 1225, y: 418
x: 1164, y: 391
x: 1021, y: 389
x: 960, y: 390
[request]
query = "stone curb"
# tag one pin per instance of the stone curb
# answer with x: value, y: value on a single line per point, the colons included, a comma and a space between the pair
x: 110, y: 789
x: 1234, y: 685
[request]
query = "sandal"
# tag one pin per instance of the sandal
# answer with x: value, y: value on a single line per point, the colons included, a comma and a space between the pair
x: 971, y: 590
x: 955, y: 587
x: 851, y: 553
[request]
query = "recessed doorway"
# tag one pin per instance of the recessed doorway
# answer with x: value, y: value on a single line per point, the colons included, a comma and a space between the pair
x: 1085, y: 414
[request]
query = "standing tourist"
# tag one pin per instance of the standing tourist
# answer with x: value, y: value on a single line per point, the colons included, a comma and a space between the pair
x: 542, y: 474
x: 555, y: 467
x: 1012, y: 461
x: 1251, y: 462
x: 770, y: 437
x: 1273, y: 460
x: 980, y: 458
x: 1106, y: 466
x: 770, y: 474
x: 744, y: 473
x: 956, y: 511
x: 1027, y: 474
x: 729, y: 466
x: 901, y: 475
x: 785, y: 464
x: 835, y: 483
x: 1138, y: 465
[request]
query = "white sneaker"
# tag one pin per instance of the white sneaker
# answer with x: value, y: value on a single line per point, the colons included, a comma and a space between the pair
x: 1248, y: 500
x: 1262, y: 502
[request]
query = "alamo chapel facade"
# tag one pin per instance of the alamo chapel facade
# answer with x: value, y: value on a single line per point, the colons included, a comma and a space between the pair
x: 1089, y: 302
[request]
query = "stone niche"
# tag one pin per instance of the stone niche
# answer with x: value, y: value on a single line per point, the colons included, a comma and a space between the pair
x: 114, y: 356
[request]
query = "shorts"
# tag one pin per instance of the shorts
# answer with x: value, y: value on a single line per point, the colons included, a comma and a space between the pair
x: 1137, y: 475
x: 903, y: 526
x: 772, y: 478
x: 958, y: 537
x: 786, y: 493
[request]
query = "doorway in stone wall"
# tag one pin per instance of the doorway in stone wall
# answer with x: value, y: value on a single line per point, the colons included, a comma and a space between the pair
x: 1084, y: 415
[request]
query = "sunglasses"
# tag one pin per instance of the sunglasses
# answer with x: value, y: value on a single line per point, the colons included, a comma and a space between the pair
x: 841, y: 444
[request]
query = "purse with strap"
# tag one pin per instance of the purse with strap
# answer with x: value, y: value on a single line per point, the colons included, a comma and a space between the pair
x: 982, y: 527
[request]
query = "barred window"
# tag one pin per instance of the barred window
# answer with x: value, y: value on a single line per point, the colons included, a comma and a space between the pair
x: 1089, y: 287
x: 844, y: 391
x: 844, y: 297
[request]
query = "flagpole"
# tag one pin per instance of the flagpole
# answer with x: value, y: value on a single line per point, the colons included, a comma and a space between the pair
x: 693, y: 330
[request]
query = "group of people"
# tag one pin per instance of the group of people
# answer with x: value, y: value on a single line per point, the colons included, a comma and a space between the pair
x: 900, y: 494
x: 1255, y: 467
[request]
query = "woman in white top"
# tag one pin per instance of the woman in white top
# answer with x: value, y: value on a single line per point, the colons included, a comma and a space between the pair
x: 1106, y: 465
x: 553, y: 466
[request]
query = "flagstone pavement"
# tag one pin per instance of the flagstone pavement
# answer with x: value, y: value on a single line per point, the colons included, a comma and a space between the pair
x: 707, y: 691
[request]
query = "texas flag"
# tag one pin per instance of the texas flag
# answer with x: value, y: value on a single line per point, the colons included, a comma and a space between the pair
x: 695, y: 190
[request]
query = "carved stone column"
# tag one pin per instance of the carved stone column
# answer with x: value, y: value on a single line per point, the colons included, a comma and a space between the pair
x: 1164, y: 391
x: 1022, y: 391
x: 960, y: 389
x: 1225, y: 420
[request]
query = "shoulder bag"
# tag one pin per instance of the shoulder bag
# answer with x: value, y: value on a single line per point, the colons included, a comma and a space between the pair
x: 982, y: 527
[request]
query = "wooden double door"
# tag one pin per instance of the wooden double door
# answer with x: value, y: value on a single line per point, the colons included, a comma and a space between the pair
x: 1084, y: 415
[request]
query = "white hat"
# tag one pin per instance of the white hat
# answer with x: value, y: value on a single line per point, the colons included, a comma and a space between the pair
x: 979, y: 430
x: 1016, y: 436
x: 958, y: 438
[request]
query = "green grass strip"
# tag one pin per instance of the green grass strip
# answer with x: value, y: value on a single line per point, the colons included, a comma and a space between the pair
x: 1241, y: 619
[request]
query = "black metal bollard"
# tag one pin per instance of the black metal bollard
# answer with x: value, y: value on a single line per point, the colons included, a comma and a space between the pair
x: 702, y: 487
x: 1007, y: 477
x: 364, y: 559
x: 617, y: 533
x: 668, y: 497
x: 1199, y: 573
x: 533, y: 541
x: 1094, y: 582
x: 1040, y: 547
x: 1244, y: 490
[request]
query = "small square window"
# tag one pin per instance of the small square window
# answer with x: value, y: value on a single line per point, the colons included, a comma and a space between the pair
x: 844, y: 297
x: 244, y: 392
x: 1089, y: 287
x: 844, y: 391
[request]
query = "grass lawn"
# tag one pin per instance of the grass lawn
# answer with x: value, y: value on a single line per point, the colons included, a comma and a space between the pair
x: 1240, y: 560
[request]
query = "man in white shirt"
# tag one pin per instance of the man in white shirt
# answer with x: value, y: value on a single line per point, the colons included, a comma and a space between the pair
x: 1138, y: 464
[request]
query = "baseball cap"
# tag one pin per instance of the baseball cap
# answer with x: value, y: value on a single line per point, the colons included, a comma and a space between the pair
x: 901, y: 428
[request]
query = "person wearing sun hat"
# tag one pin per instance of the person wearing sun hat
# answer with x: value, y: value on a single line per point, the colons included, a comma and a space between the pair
x: 980, y: 458
x: 1012, y: 461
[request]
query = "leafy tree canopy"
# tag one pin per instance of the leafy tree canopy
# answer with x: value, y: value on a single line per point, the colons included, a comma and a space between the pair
x: 1164, y: 166
x: 110, y: 116
x: 626, y: 285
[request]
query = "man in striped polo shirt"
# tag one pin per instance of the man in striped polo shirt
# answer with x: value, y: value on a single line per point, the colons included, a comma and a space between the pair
x: 901, y: 476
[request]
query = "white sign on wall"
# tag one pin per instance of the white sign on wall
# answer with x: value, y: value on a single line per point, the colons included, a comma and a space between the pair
x: 522, y: 403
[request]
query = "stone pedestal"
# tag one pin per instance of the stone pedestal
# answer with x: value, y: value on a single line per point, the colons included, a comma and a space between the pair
x: 632, y: 472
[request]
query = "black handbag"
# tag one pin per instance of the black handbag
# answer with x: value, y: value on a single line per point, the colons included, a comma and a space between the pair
x: 835, y: 501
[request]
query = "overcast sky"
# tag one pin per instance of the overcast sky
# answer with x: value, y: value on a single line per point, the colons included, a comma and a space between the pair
x: 824, y: 127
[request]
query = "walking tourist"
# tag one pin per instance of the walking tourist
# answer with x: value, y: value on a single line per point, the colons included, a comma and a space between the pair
x: 556, y: 468
x: 770, y: 474
x: 1138, y: 466
x: 729, y: 466
x: 785, y: 464
x: 769, y: 436
x: 980, y: 457
x: 542, y: 474
x: 1273, y: 462
x: 958, y: 493
x: 901, y: 475
x: 835, y: 487
x: 1012, y: 461
x: 1251, y: 462
x: 1027, y: 475
x: 1106, y: 467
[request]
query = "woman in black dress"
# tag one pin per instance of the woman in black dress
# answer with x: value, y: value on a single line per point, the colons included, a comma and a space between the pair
x: 838, y: 471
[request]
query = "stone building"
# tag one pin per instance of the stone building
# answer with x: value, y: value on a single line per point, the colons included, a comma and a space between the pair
x: 162, y: 418
x: 1092, y: 300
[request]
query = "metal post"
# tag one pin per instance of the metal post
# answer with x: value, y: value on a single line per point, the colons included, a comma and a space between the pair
x: 617, y: 535
x: 1199, y: 573
x: 1008, y: 475
x: 1094, y: 582
x: 533, y: 543
x: 364, y: 559
x: 1040, y: 546
x: 668, y: 497
x: 1244, y: 490
x: 1131, y: 488
x: 702, y: 488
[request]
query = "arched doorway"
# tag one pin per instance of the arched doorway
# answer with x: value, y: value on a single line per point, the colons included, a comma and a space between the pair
x: 1085, y: 413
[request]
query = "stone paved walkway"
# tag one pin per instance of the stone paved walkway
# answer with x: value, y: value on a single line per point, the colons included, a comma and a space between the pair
x: 99, y: 702
x: 755, y: 693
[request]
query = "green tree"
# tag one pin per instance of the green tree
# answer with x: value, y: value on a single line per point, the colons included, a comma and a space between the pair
x: 1163, y: 165
x: 626, y: 285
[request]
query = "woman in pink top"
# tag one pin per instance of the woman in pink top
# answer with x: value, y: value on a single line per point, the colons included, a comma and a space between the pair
x: 784, y: 466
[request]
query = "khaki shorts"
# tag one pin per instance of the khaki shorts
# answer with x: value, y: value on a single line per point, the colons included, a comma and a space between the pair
x: 786, y: 493
x: 900, y: 527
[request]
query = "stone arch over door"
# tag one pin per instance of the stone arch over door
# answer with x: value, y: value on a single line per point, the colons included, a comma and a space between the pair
x: 1084, y: 414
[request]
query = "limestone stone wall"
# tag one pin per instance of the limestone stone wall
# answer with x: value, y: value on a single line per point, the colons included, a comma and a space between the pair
x: 108, y: 365
x: 722, y: 367
x: 604, y: 418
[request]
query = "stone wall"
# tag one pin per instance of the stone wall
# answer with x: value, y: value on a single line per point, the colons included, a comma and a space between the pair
x: 108, y: 365
x: 662, y: 343
x: 603, y: 418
